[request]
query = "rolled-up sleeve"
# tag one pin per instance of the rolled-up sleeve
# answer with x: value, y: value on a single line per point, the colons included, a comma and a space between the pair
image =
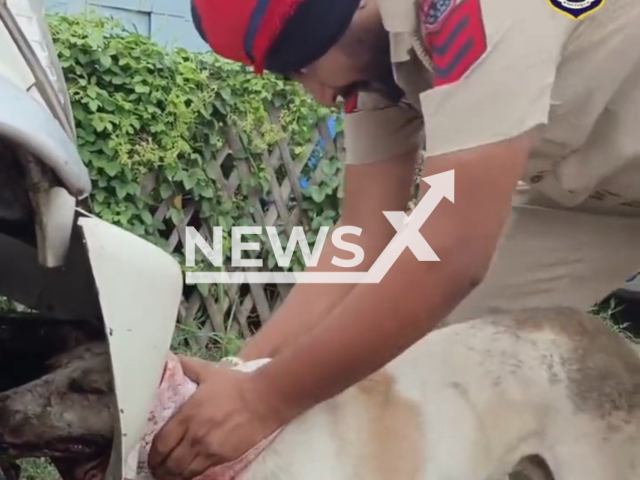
x: 495, y: 64
x: 378, y: 129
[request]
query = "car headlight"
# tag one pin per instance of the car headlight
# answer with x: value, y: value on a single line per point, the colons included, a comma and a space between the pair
x: 26, y: 23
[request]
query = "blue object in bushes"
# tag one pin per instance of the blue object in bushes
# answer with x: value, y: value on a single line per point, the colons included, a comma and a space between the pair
x: 318, y: 151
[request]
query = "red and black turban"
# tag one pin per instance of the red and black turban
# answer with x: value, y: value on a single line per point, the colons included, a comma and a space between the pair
x: 282, y: 36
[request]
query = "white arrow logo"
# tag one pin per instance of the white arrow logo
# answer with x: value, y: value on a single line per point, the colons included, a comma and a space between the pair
x: 407, y: 236
x: 408, y: 227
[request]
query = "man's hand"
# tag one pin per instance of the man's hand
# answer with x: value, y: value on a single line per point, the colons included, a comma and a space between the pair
x: 220, y: 422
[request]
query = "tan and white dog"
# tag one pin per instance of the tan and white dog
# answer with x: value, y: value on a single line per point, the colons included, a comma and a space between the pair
x: 468, y: 402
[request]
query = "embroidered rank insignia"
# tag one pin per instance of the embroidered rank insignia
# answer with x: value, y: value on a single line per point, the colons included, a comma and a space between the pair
x: 454, y: 34
x: 576, y: 9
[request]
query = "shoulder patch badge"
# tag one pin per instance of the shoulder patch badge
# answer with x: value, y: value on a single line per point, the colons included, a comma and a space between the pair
x: 576, y: 9
x: 453, y: 32
x: 433, y: 13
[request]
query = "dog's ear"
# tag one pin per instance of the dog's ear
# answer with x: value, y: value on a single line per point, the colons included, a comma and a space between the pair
x: 94, y: 381
x: 86, y: 351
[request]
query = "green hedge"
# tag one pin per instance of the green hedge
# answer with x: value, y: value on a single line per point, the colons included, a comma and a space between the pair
x: 142, y: 109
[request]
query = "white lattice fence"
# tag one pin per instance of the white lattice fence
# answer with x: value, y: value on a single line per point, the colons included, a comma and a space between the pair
x: 241, y: 309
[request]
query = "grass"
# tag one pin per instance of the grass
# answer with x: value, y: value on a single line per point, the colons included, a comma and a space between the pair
x: 37, y: 469
x: 608, y: 314
x: 190, y: 341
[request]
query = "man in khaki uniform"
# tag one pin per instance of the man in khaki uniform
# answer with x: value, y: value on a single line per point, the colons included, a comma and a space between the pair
x: 573, y: 231
x: 498, y: 91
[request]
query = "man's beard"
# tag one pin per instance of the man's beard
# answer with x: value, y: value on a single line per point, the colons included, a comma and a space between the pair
x: 379, y: 72
x: 385, y: 84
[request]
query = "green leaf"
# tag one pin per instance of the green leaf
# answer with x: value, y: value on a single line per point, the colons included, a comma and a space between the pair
x: 318, y: 194
x: 111, y: 168
x: 106, y: 61
x: 166, y: 191
x: 204, y: 289
x: 146, y: 217
x: 177, y: 217
x: 190, y: 180
x: 332, y: 182
x: 207, y: 191
x: 121, y: 189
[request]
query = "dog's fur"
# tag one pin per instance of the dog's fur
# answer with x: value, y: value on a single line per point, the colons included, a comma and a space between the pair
x: 68, y: 412
x: 471, y: 400
x: 554, y: 391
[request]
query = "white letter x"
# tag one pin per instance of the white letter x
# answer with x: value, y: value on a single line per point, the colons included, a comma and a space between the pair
x: 412, y: 237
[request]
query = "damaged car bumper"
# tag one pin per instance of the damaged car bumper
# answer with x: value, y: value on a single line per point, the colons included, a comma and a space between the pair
x: 56, y: 258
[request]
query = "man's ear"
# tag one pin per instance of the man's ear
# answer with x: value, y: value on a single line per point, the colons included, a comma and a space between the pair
x: 363, y: 3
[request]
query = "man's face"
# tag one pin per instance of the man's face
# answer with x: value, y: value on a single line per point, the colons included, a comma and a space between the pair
x: 337, y: 75
x: 329, y: 79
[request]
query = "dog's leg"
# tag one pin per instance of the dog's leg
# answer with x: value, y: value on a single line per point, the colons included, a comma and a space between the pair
x: 594, y: 460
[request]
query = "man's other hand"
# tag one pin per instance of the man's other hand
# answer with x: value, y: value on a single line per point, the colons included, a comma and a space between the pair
x: 222, y: 420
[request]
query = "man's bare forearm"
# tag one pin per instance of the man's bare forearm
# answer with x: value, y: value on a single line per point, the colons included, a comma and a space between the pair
x: 373, y: 325
x: 377, y: 322
x: 369, y: 191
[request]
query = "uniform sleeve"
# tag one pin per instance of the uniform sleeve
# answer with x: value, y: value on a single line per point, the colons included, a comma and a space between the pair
x: 494, y: 65
x: 378, y: 129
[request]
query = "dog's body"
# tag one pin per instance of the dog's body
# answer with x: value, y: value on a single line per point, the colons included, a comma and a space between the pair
x: 471, y: 400
x: 467, y: 402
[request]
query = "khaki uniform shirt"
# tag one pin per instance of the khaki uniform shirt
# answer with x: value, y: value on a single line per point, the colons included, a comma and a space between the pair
x: 481, y: 71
